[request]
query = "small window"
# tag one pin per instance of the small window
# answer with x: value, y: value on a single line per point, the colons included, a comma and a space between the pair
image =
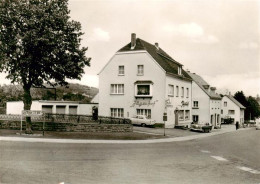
x: 140, y: 69
x: 182, y: 92
x: 195, y: 104
x: 146, y: 112
x: 117, y: 112
x: 170, y: 90
x: 121, y: 70
x: 188, y: 92
x: 221, y: 111
x: 195, y: 118
x: 117, y: 89
x: 225, y: 104
x: 177, y: 91
x: 231, y: 112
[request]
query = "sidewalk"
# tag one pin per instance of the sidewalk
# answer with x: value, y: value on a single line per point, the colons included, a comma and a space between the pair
x: 174, y: 135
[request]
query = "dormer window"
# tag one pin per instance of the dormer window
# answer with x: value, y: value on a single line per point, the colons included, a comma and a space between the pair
x: 179, y: 70
x: 143, y: 89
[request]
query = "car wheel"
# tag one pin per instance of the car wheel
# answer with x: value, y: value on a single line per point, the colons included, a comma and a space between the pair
x: 143, y: 125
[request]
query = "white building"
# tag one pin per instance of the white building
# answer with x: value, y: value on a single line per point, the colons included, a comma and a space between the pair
x: 231, y: 108
x: 206, y: 103
x: 142, y: 79
x: 55, y: 107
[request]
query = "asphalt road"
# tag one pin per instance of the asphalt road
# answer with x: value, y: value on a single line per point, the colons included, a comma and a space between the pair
x: 227, y: 158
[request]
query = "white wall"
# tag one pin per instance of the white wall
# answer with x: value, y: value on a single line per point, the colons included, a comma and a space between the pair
x: 86, y: 109
x: 14, y: 107
x: 203, y: 110
x: 230, y: 106
x: 215, y: 112
x: 152, y: 71
x: 176, y: 102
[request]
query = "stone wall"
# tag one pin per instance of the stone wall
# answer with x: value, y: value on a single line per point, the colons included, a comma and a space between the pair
x: 69, y: 127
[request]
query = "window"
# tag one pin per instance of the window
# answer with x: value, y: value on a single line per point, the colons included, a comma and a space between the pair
x: 188, y: 92
x: 221, y: 111
x: 117, y: 112
x: 121, y: 70
x: 182, y: 92
x: 140, y: 69
x: 187, y: 114
x: 117, y: 89
x: 195, y: 104
x: 195, y: 118
x: 177, y: 91
x: 231, y: 111
x: 143, y: 90
x: 181, y: 115
x: 170, y: 90
x: 225, y: 104
x: 146, y: 112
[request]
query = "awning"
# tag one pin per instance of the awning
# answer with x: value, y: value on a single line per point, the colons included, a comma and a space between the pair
x: 144, y: 82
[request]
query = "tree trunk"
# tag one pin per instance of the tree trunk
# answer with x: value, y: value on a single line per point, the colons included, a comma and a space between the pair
x: 27, y: 100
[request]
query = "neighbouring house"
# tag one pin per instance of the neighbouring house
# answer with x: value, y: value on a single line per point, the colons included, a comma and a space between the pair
x: 232, y: 109
x: 142, y: 79
x: 206, y: 103
x: 54, y: 107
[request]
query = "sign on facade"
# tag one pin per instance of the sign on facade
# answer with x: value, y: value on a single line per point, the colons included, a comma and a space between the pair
x: 30, y: 113
x: 165, y: 116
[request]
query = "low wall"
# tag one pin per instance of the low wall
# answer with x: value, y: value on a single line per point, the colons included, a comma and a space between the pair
x: 69, y: 127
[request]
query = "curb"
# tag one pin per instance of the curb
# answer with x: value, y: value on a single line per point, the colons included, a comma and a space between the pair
x: 80, y: 141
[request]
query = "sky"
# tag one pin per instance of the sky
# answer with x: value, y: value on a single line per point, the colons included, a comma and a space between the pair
x: 218, y: 40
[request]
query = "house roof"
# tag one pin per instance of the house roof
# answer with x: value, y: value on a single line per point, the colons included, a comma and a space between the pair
x: 203, y: 85
x: 235, y: 101
x: 160, y: 56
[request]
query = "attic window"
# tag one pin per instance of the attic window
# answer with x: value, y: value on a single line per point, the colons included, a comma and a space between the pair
x: 179, y: 70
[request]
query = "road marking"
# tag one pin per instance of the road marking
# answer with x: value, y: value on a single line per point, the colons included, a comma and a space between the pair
x: 219, y: 158
x: 248, y: 170
x: 205, y: 151
x: 146, y: 132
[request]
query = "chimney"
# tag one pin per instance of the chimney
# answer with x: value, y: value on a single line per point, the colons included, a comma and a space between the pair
x: 133, y: 40
x: 213, y: 89
x: 206, y: 86
x: 157, y: 46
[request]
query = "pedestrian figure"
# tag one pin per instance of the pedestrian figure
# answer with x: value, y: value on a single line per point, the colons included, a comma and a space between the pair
x: 237, y: 125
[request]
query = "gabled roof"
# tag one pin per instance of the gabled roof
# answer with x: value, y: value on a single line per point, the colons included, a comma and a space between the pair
x: 162, y: 58
x: 235, y: 101
x: 203, y: 85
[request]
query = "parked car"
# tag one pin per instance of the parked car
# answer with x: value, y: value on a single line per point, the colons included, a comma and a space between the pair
x: 257, y: 126
x: 201, y: 126
x: 142, y: 120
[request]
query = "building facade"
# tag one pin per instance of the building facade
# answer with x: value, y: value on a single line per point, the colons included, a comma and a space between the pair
x: 54, y: 107
x: 206, y: 103
x: 231, y: 108
x: 142, y: 79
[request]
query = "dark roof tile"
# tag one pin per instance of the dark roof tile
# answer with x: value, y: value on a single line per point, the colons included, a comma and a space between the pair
x: 160, y: 56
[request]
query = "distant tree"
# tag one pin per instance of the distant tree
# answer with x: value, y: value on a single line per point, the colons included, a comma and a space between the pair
x: 240, y: 97
x: 39, y: 43
x: 253, y: 108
